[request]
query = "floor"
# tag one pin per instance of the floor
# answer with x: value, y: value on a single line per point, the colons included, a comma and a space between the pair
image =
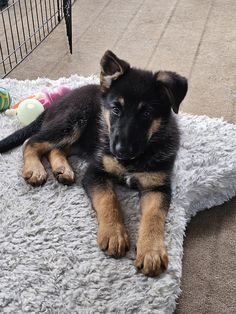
x: 198, y: 40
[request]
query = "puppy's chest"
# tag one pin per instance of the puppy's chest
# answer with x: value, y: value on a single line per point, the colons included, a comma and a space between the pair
x: 131, y: 175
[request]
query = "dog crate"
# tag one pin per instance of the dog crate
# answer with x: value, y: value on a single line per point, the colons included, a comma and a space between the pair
x: 24, y: 24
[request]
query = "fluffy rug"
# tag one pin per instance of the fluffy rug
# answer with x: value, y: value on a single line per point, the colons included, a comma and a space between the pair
x: 49, y: 258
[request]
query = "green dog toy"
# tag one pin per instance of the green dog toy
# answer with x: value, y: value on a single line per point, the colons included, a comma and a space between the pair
x: 5, y: 99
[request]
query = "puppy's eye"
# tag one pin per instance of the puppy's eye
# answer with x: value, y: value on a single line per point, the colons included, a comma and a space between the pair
x: 115, y: 111
x: 147, y: 114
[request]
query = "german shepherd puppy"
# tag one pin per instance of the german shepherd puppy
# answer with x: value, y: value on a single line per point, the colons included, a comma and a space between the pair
x: 126, y: 131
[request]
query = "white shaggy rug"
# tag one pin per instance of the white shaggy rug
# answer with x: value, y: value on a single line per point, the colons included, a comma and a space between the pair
x: 49, y: 259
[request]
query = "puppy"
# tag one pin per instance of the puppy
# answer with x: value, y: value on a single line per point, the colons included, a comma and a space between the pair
x: 127, y: 133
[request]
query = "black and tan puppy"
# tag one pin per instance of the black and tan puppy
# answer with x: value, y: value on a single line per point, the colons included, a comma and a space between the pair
x: 126, y: 131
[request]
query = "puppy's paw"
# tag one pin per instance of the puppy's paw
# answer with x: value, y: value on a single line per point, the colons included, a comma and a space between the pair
x: 151, y: 261
x: 35, y: 176
x: 113, y: 238
x: 64, y: 175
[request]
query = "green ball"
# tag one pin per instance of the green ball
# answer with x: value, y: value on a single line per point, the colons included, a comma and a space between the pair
x: 29, y: 110
x: 5, y: 99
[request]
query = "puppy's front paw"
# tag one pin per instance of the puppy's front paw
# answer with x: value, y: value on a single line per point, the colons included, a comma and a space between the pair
x: 35, y: 176
x: 113, y: 238
x: 151, y: 260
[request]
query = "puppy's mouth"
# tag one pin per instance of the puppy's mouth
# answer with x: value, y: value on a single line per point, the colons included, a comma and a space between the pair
x: 127, y: 158
x: 124, y: 158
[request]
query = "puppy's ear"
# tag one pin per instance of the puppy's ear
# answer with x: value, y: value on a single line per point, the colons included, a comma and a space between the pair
x: 111, y: 68
x: 175, y: 87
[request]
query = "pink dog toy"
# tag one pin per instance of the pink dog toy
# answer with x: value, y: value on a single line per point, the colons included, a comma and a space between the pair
x: 49, y: 97
x: 28, y: 109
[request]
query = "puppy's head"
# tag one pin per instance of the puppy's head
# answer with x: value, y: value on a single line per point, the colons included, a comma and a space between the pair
x: 135, y: 102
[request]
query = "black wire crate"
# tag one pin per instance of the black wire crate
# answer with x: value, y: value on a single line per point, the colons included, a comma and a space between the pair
x: 24, y: 24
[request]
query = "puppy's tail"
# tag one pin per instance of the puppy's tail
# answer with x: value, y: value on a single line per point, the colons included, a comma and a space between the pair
x: 18, y: 137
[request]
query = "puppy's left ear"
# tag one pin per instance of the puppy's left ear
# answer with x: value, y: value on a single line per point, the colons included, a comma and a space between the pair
x: 111, y: 69
x: 175, y: 87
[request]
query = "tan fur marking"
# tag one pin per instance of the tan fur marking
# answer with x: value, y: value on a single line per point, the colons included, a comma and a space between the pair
x: 148, y: 180
x: 33, y: 170
x: 106, y: 204
x: 155, y: 126
x: 106, y: 115
x: 37, y: 148
x: 71, y: 138
x: 103, y: 83
x: 153, y: 216
x: 106, y: 80
x: 60, y: 166
x: 112, y: 234
x: 111, y: 165
x: 151, y: 251
x: 152, y: 202
x: 56, y: 157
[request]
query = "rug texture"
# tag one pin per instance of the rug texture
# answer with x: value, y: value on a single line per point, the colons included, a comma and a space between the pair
x: 49, y: 259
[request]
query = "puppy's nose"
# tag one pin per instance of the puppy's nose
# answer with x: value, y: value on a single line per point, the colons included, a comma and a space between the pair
x: 122, y: 151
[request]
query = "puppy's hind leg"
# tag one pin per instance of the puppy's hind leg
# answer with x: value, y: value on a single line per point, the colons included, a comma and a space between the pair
x: 33, y: 170
x: 61, y: 167
x: 53, y: 135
